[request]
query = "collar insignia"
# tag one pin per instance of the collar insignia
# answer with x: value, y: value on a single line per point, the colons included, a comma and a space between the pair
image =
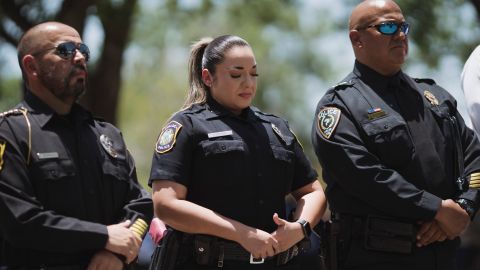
x: 167, y: 138
x: 107, y: 144
x: 3, y: 145
x: 430, y: 97
x: 374, y: 113
x: 328, y: 119
x: 278, y: 132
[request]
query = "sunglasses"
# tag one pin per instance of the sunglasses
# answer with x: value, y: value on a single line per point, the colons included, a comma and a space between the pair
x: 68, y: 49
x: 390, y: 28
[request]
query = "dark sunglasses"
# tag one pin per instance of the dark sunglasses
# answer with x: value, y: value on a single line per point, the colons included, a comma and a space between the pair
x: 67, y: 50
x: 390, y: 28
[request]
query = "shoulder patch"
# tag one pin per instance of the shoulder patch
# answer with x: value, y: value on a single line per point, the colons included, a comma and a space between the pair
x: 328, y: 119
x: 424, y: 80
x: 167, y: 138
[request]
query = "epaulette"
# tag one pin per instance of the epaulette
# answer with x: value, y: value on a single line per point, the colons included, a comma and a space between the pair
x: 259, y: 112
x: 22, y: 111
x: 11, y: 112
x: 343, y: 85
x: 424, y: 80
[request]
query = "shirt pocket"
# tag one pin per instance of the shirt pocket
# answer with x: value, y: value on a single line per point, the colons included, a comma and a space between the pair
x: 54, y: 183
x: 222, y: 147
x: 283, y: 170
x: 390, y: 138
x: 115, y: 169
x: 222, y: 163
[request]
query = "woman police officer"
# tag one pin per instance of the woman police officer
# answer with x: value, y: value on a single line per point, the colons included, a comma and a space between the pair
x: 222, y: 168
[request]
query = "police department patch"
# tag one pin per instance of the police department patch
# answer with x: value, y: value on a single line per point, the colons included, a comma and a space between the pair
x: 167, y: 138
x: 328, y: 118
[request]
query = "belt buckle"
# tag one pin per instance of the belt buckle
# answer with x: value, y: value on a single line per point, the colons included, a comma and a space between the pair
x: 256, y: 261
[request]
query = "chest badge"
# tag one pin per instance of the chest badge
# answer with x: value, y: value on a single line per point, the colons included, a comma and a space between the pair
x: 279, y: 133
x: 107, y: 144
x: 430, y: 97
x: 328, y: 119
x: 167, y: 138
x: 374, y: 113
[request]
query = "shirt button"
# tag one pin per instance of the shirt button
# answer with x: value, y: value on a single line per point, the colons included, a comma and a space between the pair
x: 223, y: 147
x: 386, y: 126
x: 53, y: 173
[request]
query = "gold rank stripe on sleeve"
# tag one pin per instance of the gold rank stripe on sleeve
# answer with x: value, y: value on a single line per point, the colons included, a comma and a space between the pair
x: 475, y: 180
x: 139, y: 227
x: 2, y: 151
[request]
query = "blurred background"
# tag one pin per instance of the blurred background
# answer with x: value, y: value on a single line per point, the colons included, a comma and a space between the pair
x: 138, y: 70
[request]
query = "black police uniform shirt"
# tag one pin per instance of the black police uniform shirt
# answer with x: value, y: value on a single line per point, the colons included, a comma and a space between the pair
x: 241, y: 167
x: 61, y: 184
x: 387, y: 148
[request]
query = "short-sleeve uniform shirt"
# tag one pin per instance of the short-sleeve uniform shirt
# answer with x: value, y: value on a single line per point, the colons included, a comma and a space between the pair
x: 241, y: 167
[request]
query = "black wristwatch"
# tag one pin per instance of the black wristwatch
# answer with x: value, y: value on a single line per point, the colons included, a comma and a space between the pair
x: 467, y: 205
x: 307, y: 230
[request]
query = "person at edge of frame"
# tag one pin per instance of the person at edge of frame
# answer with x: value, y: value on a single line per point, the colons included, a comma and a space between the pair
x: 468, y: 256
x: 222, y: 168
x: 401, y: 167
x: 69, y: 195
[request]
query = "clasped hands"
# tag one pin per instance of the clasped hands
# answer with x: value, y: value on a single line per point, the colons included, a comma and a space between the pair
x: 122, y: 244
x: 262, y: 244
x: 449, y: 222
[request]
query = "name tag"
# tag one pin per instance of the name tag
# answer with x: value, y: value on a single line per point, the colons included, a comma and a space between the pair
x: 220, y: 134
x: 47, y: 155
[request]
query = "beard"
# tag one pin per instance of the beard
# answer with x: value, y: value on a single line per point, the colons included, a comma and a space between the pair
x: 64, y: 88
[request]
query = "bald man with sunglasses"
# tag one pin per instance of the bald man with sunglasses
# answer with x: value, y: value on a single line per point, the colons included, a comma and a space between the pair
x: 69, y: 195
x: 402, y: 169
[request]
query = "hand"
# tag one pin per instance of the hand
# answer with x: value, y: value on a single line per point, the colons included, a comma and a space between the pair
x: 105, y: 260
x: 259, y: 243
x: 123, y: 241
x: 430, y: 232
x: 287, y: 233
x: 452, y: 218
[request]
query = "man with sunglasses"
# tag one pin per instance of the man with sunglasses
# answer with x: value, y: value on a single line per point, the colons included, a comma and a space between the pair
x: 402, y: 169
x: 69, y: 195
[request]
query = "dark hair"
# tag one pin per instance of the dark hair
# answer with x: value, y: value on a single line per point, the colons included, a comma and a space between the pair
x: 207, y: 53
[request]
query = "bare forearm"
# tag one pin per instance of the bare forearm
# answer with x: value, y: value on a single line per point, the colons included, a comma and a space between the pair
x: 192, y: 218
x: 311, y: 206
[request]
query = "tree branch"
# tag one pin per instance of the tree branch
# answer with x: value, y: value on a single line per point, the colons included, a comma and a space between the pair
x: 14, y: 12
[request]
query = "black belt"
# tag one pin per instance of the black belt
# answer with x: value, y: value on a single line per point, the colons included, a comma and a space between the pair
x: 379, y: 233
x: 209, y: 250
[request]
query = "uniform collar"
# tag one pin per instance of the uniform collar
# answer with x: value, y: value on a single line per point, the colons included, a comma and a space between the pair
x: 374, y: 79
x: 215, y: 109
x: 46, y: 114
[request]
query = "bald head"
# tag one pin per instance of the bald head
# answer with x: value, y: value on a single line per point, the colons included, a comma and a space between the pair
x: 40, y: 36
x: 367, y: 11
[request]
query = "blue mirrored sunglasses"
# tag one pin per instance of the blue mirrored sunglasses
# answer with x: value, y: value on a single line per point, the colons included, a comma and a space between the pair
x: 391, y: 28
x: 67, y: 50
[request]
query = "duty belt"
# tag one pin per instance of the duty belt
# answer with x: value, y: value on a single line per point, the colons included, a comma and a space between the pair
x: 211, y: 250
x: 379, y: 233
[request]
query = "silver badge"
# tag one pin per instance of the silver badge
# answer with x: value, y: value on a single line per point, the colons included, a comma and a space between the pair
x: 279, y: 133
x: 107, y: 144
